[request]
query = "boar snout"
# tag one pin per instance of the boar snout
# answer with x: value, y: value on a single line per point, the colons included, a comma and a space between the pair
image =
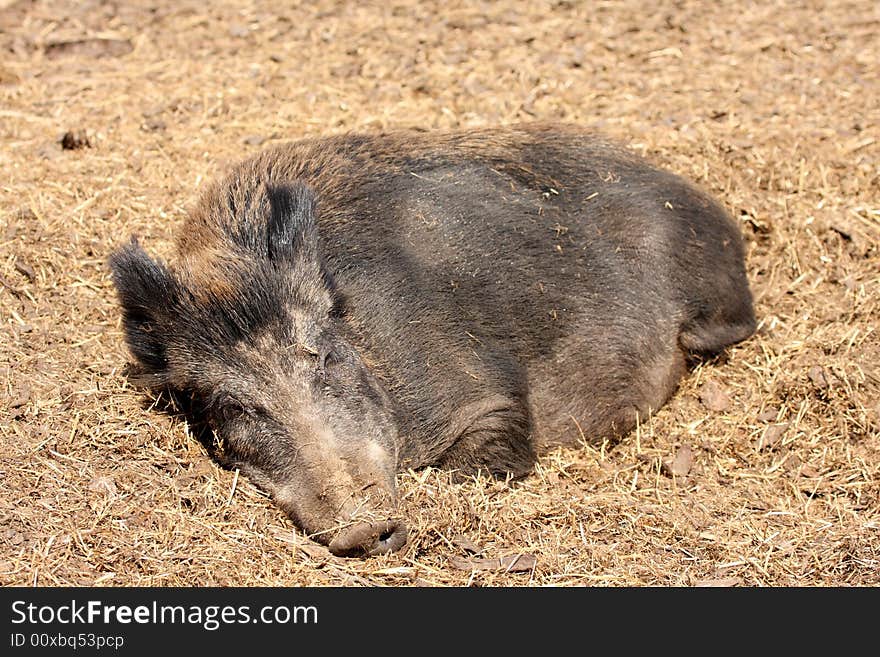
x: 348, y: 504
x: 365, y: 539
x: 362, y: 529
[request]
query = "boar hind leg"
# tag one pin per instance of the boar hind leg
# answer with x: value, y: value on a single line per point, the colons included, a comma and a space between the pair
x: 711, y: 337
x: 720, y: 316
x: 641, y: 394
x: 657, y: 381
x: 493, y: 436
x: 612, y: 393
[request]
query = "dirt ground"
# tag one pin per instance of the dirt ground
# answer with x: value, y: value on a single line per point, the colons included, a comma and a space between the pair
x: 763, y: 470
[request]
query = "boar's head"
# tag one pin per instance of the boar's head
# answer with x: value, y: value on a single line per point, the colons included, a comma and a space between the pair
x: 248, y: 326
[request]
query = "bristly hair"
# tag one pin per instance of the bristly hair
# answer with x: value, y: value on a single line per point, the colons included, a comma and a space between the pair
x: 277, y: 223
x: 144, y: 287
x: 271, y: 220
x: 257, y: 298
x: 274, y: 260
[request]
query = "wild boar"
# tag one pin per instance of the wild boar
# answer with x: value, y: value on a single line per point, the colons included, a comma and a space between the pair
x: 344, y: 308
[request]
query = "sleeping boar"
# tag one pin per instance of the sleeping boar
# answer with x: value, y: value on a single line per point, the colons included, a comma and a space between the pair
x: 344, y: 308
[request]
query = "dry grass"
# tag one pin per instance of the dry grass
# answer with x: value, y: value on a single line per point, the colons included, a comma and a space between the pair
x: 772, y: 106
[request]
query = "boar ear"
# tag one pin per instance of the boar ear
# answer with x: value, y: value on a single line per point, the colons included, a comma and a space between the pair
x: 292, y: 232
x: 146, y: 289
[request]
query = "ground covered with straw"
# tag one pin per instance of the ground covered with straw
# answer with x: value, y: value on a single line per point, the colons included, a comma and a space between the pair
x: 763, y: 470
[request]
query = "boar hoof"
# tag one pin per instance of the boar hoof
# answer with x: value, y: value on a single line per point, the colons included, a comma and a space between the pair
x: 365, y: 539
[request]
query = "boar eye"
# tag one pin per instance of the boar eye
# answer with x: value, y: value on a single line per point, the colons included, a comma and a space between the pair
x: 229, y: 408
x: 327, y: 358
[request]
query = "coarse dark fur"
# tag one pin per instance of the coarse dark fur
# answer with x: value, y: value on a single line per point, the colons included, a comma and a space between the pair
x: 351, y: 306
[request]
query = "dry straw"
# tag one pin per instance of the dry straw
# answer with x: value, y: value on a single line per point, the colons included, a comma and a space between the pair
x: 763, y: 470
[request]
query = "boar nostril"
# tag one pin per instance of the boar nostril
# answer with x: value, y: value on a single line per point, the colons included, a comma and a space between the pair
x: 391, y: 539
x: 364, y: 539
